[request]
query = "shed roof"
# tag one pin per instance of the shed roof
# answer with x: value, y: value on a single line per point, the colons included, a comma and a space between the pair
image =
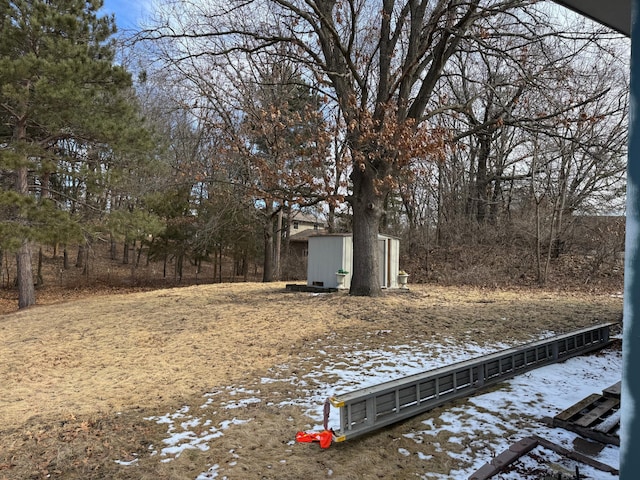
x: 324, y: 233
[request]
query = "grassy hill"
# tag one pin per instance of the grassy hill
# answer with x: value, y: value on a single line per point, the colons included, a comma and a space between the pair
x: 80, y: 376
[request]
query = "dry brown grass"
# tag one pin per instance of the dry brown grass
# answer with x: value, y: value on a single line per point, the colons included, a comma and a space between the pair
x: 78, y: 378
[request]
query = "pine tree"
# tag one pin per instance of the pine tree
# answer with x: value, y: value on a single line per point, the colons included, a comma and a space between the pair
x: 60, y: 91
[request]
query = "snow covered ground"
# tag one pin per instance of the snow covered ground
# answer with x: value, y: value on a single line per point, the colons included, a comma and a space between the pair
x: 509, y: 413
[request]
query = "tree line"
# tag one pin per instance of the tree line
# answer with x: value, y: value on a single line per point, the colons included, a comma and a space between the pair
x: 199, y: 137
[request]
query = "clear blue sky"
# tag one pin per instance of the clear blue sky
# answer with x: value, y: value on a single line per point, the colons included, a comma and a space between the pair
x: 128, y: 12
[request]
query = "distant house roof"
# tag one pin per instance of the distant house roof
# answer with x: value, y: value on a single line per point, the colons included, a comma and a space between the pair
x: 307, y: 218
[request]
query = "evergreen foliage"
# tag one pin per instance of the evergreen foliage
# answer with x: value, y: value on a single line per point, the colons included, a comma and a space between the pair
x: 65, y: 116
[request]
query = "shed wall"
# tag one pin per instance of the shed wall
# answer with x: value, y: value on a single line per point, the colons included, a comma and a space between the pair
x: 330, y: 253
x: 327, y: 255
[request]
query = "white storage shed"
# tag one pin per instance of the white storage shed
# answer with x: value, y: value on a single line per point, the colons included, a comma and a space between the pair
x: 330, y: 253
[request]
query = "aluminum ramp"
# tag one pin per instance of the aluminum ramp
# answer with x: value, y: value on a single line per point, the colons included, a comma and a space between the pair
x: 371, y: 408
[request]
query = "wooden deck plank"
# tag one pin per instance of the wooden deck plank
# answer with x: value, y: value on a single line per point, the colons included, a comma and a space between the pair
x: 613, y: 390
x: 578, y: 407
x: 510, y: 455
x: 593, y: 415
x: 609, y: 423
x: 607, y: 438
x: 575, y: 455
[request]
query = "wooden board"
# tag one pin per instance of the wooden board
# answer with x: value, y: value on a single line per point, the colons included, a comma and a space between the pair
x: 524, y: 446
x: 596, y: 413
x: 608, y: 438
x: 575, y: 455
x: 596, y: 417
x: 510, y: 455
x: 609, y: 424
x: 574, y: 410
x: 613, y: 390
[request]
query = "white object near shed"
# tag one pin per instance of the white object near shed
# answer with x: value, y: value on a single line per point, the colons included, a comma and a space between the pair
x: 330, y: 253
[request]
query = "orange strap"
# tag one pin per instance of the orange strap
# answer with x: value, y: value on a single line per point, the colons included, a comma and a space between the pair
x: 323, y: 437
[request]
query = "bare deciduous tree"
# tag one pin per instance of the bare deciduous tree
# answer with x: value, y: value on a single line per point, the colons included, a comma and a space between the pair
x: 379, y: 61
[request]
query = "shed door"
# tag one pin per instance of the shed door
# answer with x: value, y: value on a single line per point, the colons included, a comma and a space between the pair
x: 382, y: 262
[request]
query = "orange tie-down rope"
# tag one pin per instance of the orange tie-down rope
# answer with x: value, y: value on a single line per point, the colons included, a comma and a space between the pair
x: 325, y: 437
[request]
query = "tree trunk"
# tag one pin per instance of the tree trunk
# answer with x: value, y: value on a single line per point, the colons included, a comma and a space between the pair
x: 180, y: 266
x: 215, y: 264
x: 39, y: 277
x: 125, y: 252
x: 560, y: 207
x: 367, y: 211
x: 245, y: 265
x: 85, y: 268
x: 80, y: 256
x: 538, y: 246
x: 440, y: 206
x: 496, y: 193
x: 26, y: 290
x: 331, y: 218
x: 112, y: 248
x: 267, y: 272
x: 540, y: 273
x: 139, y: 252
x: 278, y: 254
x: 286, y: 249
x: 134, y: 263
x: 482, y: 181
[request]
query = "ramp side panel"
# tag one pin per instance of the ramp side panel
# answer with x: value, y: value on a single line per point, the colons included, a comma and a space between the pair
x: 374, y: 407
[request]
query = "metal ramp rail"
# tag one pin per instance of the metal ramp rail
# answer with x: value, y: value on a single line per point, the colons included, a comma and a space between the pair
x: 368, y: 409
